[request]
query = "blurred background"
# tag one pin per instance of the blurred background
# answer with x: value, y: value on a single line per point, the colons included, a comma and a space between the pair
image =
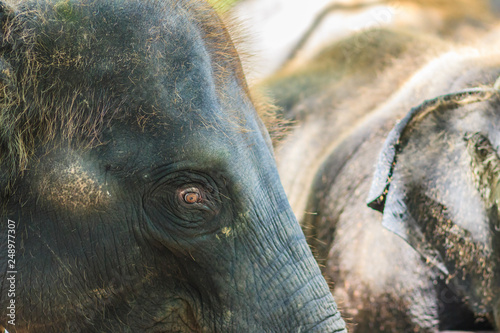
x: 277, y: 30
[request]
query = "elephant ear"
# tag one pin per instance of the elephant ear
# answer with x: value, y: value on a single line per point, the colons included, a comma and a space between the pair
x: 398, y: 219
x: 385, y: 165
x: 392, y: 147
x: 388, y: 194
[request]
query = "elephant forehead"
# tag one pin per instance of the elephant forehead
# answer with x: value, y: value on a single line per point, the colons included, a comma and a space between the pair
x: 73, y: 185
x: 109, y: 43
x: 134, y: 57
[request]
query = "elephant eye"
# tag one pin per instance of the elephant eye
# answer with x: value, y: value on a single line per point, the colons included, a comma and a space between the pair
x: 481, y: 147
x: 186, y: 199
x: 191, y: 195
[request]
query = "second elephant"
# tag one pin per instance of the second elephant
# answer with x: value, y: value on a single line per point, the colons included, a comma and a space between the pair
x: 327, y: 161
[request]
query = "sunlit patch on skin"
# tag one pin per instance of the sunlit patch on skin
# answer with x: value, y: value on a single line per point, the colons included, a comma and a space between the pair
x: 102, y: 294
x: 73, y: 187
x: 226, y: 231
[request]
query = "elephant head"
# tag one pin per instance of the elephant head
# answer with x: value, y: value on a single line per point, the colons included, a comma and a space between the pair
x: 140, y: 180
x: 437, y: 184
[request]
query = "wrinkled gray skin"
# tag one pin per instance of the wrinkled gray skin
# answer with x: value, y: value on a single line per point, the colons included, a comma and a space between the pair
x: 442, y: 192
x: 381, y: 283
x: 134, y: 109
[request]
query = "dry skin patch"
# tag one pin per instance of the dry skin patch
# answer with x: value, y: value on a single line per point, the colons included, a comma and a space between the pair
x: 73, y: 188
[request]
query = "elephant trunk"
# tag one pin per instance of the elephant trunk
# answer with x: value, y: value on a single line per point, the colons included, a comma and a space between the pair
x: 291, y: 293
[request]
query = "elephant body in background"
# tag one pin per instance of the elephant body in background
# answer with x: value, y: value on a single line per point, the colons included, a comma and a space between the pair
x: 328, y: 158
x: 139, y: 189
x: 437, y: 178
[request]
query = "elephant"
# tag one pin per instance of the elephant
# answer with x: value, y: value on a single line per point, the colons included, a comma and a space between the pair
x: 139, y: 191
x: 327, y: 160
x: 444, y: 202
